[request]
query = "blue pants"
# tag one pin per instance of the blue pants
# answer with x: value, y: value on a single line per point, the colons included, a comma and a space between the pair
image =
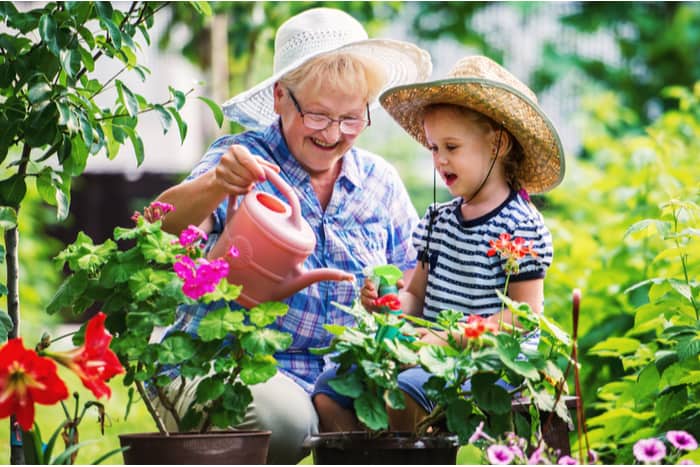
x: 411, y: 382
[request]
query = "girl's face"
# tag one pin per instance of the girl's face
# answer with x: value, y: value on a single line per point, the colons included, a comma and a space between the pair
x: 318, y: 151
x: 462, y: 151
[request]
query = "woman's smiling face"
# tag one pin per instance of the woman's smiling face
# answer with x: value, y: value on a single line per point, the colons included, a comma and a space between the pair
x: 318, y: 150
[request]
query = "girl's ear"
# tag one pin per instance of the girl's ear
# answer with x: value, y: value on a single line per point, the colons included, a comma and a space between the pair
x: 504, y: 146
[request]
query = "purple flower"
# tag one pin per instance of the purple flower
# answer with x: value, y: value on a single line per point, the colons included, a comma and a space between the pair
x: 567, y: 460
x: 536, y: 457
x: 233, y: 252
x: 649, y: 450
x: 682, y: 440
x: 479, y: 433
x: 686, y: 462
x: 592, y: 457
x: 499, y: 454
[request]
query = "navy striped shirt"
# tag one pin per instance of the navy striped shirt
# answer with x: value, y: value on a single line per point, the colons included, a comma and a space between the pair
x: 461, y: 276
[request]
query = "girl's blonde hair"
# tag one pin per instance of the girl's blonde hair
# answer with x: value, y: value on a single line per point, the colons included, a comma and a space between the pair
x: 515, y: 155
x: 358, y: 74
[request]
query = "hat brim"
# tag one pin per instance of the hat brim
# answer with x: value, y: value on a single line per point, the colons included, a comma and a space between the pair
x: 402, y: 62
x: 543, y: 166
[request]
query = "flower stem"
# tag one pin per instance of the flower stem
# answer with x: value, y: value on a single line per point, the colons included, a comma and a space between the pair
x: 150, y: 408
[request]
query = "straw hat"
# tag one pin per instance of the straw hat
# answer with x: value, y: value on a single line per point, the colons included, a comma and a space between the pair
x: 318, y: 31
x: 482, y: 85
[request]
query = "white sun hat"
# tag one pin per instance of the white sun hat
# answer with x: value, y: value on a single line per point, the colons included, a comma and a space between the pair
x: 319, y: 31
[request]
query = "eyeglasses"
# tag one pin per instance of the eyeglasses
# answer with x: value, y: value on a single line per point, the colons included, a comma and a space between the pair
x: 348, y: 126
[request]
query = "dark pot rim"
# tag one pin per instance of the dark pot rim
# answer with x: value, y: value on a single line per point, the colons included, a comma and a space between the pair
x: 386, y: 440
x: 190, y: 435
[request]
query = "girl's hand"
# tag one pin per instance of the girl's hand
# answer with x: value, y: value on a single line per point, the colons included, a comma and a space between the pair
x: 368, y: 294
x: 432, y: 337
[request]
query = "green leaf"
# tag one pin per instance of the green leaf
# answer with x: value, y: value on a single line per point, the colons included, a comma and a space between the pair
x: 489, y: 396
x: 349, y: 384
x: 176, y: 348
x: 258, y: 369
x: 215, y: 109
x: 218, y: 323
x: 436, y: 361
x: 178, y: 96
x: 6, y: 326
x: 71, y: 62
x: 165, y: 119
x: 12, y: 191
x: 209, y: 389
x: 47, y: 31
x: 114, y: 32
x: 266, y: 313
x: 371, y: 411
x: 615, y: 346
x: 8, y: 218
x: 266, y: 341
x: 647, y: 228
x: 181, y: 125
x: 202, y: 7
x: 39, y: 92
x: 127, y: 98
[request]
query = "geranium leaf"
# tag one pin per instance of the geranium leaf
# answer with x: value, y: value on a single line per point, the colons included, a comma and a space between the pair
x: 266, y: 313
x: 371, y: 411
x: 266, y: 341
x: 258, y: 369
x: 348, y: 384
x: 209, y: 389
x: 176, y: 348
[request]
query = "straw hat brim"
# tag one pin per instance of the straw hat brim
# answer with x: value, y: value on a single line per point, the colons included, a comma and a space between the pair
x: 402, y: 62
x: 543, y: 166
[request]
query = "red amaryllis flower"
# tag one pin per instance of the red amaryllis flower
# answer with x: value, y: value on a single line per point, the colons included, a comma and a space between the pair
x: 93, y: 362
x: 390, y: 300
x: 25, y: 379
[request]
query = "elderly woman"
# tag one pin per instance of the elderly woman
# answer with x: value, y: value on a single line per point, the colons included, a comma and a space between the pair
x: 303, y: 122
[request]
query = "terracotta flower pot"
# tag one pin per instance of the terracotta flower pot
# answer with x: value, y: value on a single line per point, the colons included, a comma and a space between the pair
x: 362, y: 448
x: 218, y: 447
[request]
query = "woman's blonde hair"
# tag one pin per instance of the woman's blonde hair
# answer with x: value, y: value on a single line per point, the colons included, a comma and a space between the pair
x: 511, y: 160
x: 355, y: 73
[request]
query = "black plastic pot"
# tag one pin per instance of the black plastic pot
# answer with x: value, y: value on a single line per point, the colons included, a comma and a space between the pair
x: 359, y: 447
x: 218, y: 447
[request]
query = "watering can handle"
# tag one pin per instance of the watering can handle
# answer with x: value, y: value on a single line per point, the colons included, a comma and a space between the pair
x: 284, y: 188
x: 288, y: 192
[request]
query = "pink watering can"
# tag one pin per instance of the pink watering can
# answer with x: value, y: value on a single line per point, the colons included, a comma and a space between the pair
x: 273, y: 240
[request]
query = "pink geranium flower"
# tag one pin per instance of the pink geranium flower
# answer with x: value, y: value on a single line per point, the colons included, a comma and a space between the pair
x: 191, y: 235
x: 200, y: 277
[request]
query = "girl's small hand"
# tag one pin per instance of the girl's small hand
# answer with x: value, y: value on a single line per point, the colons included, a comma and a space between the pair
x: 368, y: 294
x: 432, y: 337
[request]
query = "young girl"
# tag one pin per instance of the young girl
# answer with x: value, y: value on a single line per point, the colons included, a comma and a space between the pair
x: 491, y: 145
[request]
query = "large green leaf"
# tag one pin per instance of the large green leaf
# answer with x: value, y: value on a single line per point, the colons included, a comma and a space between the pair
x: 266, y: 341
x: 176, y: 348
x: 8, y: 218
x: 349, y: 384
x: 257, y: 369
x: 266, y: 313
x: 370, y: 410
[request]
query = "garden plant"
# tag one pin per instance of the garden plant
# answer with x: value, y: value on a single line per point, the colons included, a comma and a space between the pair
x: 370, y: 364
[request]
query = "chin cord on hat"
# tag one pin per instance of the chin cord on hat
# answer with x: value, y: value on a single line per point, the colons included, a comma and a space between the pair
x: 425, y: 255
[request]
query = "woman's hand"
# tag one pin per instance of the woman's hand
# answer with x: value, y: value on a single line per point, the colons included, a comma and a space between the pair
x: 238, y: 170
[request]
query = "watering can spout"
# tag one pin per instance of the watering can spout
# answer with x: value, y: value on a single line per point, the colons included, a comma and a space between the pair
x: 302, y: 279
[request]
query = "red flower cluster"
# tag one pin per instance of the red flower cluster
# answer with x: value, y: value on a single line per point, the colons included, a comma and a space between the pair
x: 389, y: 300
x: 511, y: 250
x: 475, y: 326
x: 27, y: 378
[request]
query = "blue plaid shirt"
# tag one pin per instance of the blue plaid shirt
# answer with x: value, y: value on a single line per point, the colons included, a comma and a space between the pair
x: 368, y: 222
